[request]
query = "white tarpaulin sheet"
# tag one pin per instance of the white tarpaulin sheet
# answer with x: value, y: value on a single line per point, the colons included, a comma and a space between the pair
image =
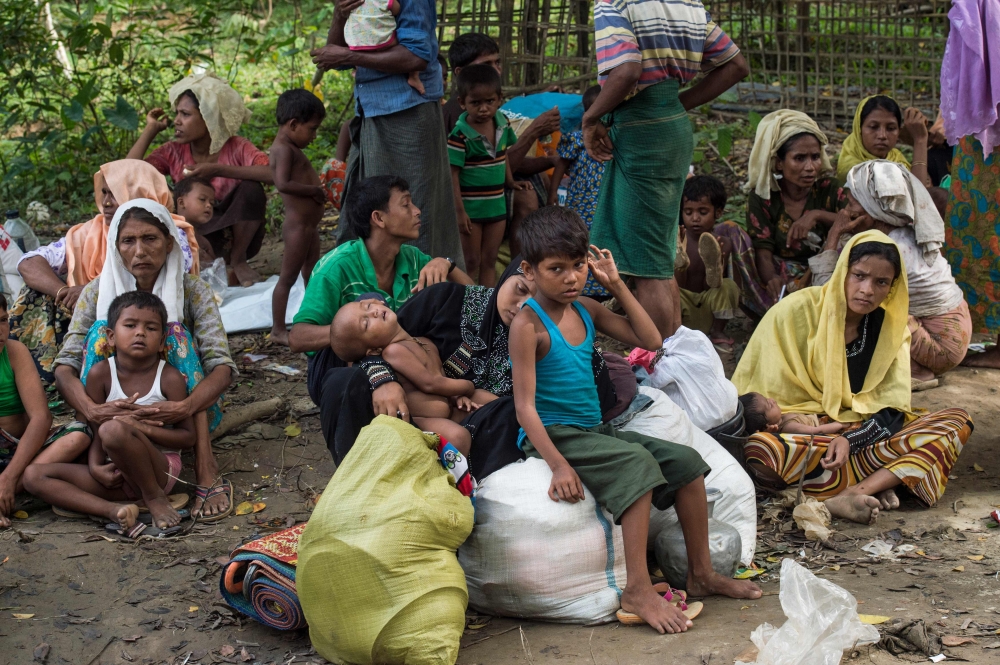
x: 249, y: 308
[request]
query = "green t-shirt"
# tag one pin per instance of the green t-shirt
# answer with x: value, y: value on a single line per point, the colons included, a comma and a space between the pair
x: 483, y: 168
x: 346, y: 272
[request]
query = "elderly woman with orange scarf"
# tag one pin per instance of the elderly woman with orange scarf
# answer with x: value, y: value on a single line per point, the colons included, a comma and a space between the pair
x: 54, y: 275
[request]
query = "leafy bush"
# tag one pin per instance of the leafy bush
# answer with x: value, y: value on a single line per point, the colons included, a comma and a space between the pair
x: 76, y: 99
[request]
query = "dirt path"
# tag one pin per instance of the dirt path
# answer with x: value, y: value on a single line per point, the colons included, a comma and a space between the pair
x: 95, y: 600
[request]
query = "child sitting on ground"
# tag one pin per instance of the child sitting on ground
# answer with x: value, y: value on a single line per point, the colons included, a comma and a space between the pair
x: 372, y: 27
x: 194, y: 200
x: 299, y: 114
x: 129, y: 459
x: 437, y: 403
x: 477, y: 151
x: 25, y: 420
x: 585, y: 175
x: 555, y: 396
x: 761, y: 414
x: 708, y: 300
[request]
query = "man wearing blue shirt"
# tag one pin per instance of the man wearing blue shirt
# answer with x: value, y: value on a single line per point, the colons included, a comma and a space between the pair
x: 398, y: 131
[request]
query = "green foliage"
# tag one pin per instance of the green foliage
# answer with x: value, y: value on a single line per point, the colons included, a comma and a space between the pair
x: 59, y: 123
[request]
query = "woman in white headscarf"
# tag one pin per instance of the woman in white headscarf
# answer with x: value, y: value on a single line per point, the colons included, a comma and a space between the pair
x: 207, y: 120
x: 143, y: 253
x: 886, y: 196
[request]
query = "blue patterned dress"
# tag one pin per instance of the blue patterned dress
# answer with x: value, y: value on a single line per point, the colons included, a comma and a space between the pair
x: 584, y: 186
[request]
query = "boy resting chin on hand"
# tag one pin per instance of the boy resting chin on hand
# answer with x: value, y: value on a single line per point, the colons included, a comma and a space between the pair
x: 551, y: 340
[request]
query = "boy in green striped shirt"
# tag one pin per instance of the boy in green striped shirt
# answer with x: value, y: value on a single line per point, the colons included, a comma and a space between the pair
x: 477, y: 151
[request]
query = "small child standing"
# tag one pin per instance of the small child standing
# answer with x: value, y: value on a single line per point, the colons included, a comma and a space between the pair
x: 477, y: 151
x: 585, y: 175
x: 762, y: 414
x: 437, y: 403
x: 555, y: 396
x: 372, y: 27
x: 708, y: 300
x: 129, y: 459
x: 299, y: 114
x: 194, y: 200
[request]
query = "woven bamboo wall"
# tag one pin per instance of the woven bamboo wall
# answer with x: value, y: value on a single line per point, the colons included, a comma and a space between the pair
x: 543, y: 42
x: 821, y: 57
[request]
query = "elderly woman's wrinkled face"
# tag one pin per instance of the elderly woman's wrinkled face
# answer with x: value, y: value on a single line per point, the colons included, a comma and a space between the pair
x: 803, y: 162
x: 109, y: 205
x: 858, y: 213
x: 512, y: 296
x: 188, y: 124
x: 868, y: 283
x: 880, y: 132
x: 144, y: 248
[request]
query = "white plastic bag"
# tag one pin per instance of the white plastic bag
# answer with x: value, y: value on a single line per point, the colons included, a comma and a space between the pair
x: 738, y: 505
x: 10, y: 256
x: 217, y: 277
x: 691, y: 374
x: 822, y: 622
x: 533, y: 558
x: 249, y: 308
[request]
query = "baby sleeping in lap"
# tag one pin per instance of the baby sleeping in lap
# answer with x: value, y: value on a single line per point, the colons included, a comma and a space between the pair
x: 437, y: 403
x: 762, y: 414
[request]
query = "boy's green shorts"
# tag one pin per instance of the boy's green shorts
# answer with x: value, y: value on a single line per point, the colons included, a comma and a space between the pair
x: 619, y: 467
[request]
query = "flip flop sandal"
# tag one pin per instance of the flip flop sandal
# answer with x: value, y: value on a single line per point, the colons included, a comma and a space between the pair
x: 69, y: 514
x: 226, y: 488
x: 147, y: 518
x: 691, y: 611
x: 140, y: 529
x: 177, y: 501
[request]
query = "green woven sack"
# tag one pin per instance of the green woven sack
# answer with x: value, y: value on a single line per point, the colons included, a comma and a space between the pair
x: 377, y: 573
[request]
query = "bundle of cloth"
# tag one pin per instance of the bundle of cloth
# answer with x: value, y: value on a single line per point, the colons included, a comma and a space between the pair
x: 259, y: 580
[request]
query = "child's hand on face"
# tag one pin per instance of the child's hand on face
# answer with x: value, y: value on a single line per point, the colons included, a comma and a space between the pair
x: 602, y: 267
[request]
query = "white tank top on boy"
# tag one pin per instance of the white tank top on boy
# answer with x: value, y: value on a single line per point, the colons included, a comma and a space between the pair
x: 152, y: 397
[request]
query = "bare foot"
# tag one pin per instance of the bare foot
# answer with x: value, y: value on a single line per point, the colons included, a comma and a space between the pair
x: 414, y: 80
x: 164, y: 516
x: 654, y: 610
x: 888, y: 499
x: 279, y: 336
x: 858, y: 508
x: 126, y: 515
x: 245, y: 274
x: 720, y: 585
x: 4, y: 521
x: 989, y: 359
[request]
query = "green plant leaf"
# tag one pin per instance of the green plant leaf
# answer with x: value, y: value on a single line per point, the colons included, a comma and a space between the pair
x: 724, y: 141
x: 697, y: 157
x: 115, y: 53
x: 754, y: 119
x: 72, y: 113
x: 123, y: 115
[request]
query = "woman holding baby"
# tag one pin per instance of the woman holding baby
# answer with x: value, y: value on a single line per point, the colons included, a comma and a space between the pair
x: 842, y: 352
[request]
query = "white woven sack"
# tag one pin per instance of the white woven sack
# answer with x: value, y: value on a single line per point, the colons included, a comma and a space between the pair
x: 530, y: 557
x: 738, y: 505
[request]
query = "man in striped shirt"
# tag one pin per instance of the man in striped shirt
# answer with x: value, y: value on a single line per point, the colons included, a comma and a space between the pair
x: 646, y: 50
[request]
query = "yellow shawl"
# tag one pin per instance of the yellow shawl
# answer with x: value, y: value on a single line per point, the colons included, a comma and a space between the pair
x: 772, y: 132
x: 797, y: 354
x: 853, y: 151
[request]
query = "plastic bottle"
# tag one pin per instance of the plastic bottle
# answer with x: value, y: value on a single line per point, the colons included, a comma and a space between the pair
x: 19, y: 230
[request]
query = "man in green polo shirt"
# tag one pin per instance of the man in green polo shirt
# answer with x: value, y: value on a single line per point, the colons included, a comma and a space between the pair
x: 384, y: 217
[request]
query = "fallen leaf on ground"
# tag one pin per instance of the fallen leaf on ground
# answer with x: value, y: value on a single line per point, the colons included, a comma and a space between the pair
x: 134, y: 638
x: 956, y: 641
x: 193, y: 608
x: 873, y: 619
x: 20, y: 514
x: 293, y: 430
x: 244, y: 508
x: 977, y: 467
x: 992, y: 645
x: 958, y: 569
x: 23, y: 616
x: 222, y: 560
x: 259, y: 506
x: 227, y: 650
x: 974, y: 557
x: 245, y: 655
x: 41, y: 652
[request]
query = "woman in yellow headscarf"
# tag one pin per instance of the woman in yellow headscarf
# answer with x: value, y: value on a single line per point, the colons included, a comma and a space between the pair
x: 841, y: 352
x: 875, y: 133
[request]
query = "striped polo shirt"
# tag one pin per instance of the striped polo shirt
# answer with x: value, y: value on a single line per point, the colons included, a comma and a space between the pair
x: 670, y: 38
x: 483, y: 168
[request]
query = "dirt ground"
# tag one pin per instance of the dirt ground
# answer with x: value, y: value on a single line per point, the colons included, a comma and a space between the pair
x: 93, y: 599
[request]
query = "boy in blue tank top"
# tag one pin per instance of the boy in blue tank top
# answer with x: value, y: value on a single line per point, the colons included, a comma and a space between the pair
x: 551, y: 341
